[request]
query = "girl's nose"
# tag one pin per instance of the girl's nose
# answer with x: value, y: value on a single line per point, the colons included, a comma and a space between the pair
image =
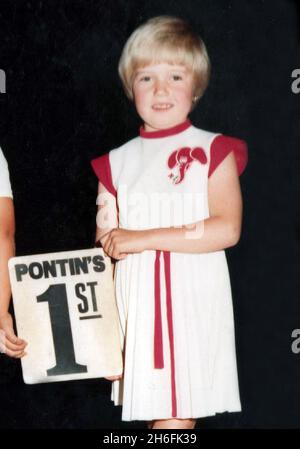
x: 161, y: 87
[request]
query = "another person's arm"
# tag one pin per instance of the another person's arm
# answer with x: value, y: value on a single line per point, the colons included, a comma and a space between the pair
x: 10, y: 343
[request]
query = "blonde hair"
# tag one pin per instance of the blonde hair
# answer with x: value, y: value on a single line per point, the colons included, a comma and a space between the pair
x: 165, y: 39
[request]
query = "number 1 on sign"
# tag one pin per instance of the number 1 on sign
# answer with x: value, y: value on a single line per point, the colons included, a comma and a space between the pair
x: 56, y: 297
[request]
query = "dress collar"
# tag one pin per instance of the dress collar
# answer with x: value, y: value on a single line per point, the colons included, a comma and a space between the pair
x: 165, y: 132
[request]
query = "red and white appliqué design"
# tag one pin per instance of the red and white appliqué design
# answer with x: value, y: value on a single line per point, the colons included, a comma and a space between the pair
x: 180, y: 161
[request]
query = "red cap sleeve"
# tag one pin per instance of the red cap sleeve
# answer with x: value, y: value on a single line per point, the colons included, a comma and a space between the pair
x: 222, y: 146
x: 102, y: 169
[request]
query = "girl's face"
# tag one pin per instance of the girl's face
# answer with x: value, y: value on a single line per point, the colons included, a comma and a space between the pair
x: 163, y: 95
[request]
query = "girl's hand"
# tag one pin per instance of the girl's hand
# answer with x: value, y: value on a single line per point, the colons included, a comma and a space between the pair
x: 10, y: 344
x: 118, y: 242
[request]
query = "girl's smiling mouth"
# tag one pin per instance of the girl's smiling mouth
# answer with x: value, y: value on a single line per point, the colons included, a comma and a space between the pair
x: 162, y: 106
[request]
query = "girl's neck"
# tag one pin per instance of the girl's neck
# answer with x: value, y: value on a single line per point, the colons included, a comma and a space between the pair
x: 166, y: 131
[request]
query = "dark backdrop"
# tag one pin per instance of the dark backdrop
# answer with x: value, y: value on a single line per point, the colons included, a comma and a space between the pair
x: 64, y: 105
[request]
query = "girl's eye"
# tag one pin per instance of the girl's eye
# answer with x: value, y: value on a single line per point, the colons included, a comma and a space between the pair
x: 145, y: 78
x: 177, y: 77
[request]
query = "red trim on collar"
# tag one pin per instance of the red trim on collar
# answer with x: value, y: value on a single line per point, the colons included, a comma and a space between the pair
x: 165, y: 132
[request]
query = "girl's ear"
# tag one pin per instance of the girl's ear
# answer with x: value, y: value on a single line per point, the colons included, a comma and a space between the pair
x: 194, y: 102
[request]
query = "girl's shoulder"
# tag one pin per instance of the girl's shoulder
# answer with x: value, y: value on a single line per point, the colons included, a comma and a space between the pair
x: 126, y: 149
x: 215, y: 134
x: 107, y: 166
x: 220, y: 145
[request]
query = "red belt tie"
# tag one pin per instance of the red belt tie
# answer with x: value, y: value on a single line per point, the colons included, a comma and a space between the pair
x: 158, y: 338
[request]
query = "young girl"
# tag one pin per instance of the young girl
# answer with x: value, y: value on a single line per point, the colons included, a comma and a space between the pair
x: 170, y: 203
x: 10, y: 344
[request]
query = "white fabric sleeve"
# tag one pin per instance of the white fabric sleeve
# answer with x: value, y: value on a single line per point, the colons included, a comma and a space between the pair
x: 5, y: 188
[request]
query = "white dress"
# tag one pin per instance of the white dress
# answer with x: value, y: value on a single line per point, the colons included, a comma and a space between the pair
x: 5, y: 188
x: 175, y: 309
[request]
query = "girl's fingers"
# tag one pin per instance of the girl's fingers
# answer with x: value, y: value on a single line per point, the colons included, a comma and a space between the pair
x: 106, y: 246
x: 108, y: 253
x: 103, y: 243
x: 21, y: 356
x: 104, y: 236
x: 115, y: 252
x: 110, y: 249
x: 10, y: 336
x: 105, y: 250
x: 15, y: 354
x: 122, y: 256
x: 13, y: 347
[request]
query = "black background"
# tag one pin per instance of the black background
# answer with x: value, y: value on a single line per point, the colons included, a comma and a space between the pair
x: 64, y: 105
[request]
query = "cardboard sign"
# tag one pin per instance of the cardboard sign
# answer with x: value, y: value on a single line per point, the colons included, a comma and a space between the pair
x: 65, y: 309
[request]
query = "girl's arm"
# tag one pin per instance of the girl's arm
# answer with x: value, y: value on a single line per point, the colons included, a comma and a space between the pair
x: 221, y: 230
x: 107, y: 219
x: 9, y: 342
x: 107, y: 215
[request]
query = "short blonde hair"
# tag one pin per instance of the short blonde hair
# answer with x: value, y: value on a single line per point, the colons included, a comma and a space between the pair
x: 165, y: 39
